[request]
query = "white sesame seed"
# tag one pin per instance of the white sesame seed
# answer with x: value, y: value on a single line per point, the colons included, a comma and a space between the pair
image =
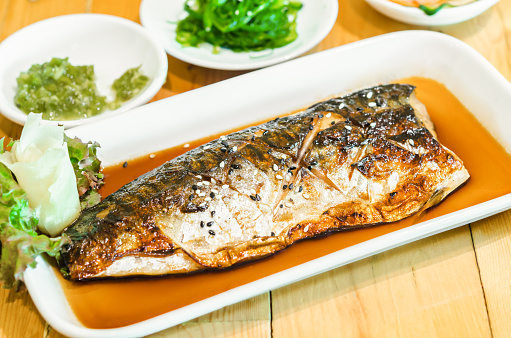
x: 200, y: 184
x: 306, y: 196
x: 152, y: 156
x: 279, y: 177
x: 373, y: 124
x: 222, y: 164
x: 288, y: 176
x: 369, y: 95
x: 329, y: 114
x: 342, y: 105
x: 306, y: 228
x: 234, y: 149
x: 205, y: 182
x: 186, y: 145
x: 223, y: 137
x: 225, y: 186
x: 275, y: 167
x: 289, y: 205
x: 297, y: 190
x: 207, y: 199
x: 199, y: 177
x: 347, y: 127
x: 213, y: 181
x: 203, y: 204
x: 252, y: 191
x: 411, y: 142
x: 202, y: 194
x: 214, y: 191
x: 206, y: 147
x: 372, y: 104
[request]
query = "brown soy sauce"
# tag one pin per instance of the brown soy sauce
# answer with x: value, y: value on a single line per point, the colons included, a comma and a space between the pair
x: 115, y: 303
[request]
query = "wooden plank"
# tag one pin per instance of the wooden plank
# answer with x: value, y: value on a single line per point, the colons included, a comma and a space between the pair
x: 19, y: 316
x: 492, y: 241
x: 427, y: 288
x: 250, y: 318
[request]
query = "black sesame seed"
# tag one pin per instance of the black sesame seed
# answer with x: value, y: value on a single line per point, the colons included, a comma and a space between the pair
x: 314, y: 162
x: 191, y: 197
x: 291, y: 186
x: 320, y: 116
x: 300, y: 189
x: 276, y: 119
x: 194, y: 187
x: 225, y: 144
x: 309, y: 167
x: 253, y: 137
x: 284, y: 187
x: 292, y: 168
x: 212, y: 194
x: 332, y: 123
x: 269, y: 152
x: 235, y: 166
x: 213, y: 213
x: 282, y: 205
x: 211, y: 232
x: 125, y: 164
x: 392, y: 194
x: 209, y: 223
x: 253, y: 197
x: 359, y: 109
x: 202, y: 224
x: 258, y: 198
x: 223, y: 150
x: 311, y: 127
x: 230, y: 171
x: 272, y: 234
x: 265, y: 132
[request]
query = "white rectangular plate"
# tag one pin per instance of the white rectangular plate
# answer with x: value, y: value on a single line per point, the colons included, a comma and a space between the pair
x: 277, y: 90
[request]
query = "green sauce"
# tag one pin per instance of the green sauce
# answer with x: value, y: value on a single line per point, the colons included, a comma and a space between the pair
x: 129, y: 85
x: 61, y: 91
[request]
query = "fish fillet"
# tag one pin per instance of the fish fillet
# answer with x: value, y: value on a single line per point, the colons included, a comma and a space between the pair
x: 367, y: 158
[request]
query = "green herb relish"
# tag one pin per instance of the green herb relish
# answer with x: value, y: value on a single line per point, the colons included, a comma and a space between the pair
x: 129, y: 84
x: 61, y: 91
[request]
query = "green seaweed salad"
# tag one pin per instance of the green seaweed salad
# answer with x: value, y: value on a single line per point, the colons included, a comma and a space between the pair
x: 239, y: 25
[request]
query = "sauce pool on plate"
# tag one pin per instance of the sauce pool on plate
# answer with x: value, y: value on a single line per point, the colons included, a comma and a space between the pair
x: 114, y: 303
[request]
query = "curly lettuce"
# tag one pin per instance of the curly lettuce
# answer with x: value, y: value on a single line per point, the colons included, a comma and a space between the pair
x: 23, y: 234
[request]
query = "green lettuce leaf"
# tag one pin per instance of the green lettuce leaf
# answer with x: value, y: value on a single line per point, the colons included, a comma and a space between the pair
x: 20, y: 240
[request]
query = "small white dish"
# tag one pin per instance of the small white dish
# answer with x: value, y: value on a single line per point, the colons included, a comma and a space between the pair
x: 446, y: 16
x: 109, y: 43
x: 314, y: 22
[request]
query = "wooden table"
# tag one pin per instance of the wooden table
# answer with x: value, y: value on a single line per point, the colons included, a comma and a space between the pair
x: 454, y: 284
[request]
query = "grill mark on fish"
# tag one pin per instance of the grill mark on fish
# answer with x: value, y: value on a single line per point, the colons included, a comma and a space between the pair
x: 378, y: 162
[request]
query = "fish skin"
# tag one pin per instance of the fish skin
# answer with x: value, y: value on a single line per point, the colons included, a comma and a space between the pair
x: 367, y: 158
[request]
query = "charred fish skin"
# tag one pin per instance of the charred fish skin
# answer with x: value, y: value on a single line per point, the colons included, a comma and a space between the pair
x: 363, y: 159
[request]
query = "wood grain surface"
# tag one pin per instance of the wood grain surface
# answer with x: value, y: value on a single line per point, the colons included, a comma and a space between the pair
x: 455, y: 284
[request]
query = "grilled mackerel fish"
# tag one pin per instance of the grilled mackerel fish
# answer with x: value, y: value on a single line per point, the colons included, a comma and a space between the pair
x: 364, y: 159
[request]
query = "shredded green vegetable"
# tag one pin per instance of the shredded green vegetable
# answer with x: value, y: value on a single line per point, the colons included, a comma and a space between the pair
x: 431, y: 10
x: 240, y: 25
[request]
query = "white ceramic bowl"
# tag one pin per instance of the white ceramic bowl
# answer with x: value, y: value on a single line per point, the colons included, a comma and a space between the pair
x: 446, y: 16
x: 110, y: 43
x: 313, y: 23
